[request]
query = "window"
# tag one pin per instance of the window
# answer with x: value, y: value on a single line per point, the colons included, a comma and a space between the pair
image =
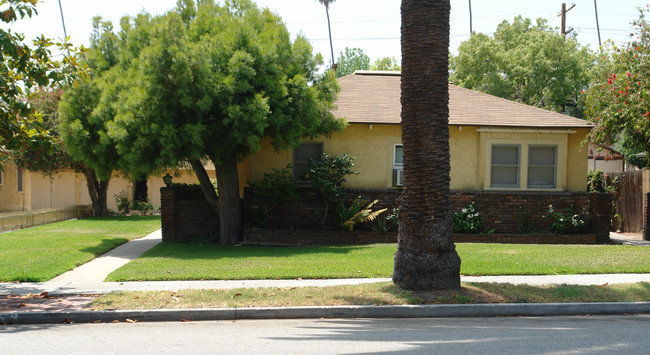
x: 301, y: 157
x: 2, y: 176
x: 542, y: 163
x: 19, y: 179
x: 398, y: 165
x: 505, y: 166
x: 526, y: 166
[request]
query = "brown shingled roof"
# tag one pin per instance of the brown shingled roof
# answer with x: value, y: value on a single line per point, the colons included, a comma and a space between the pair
x: 374, y: 97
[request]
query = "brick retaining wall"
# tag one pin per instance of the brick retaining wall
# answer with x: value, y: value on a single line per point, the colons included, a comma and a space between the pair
x: 507, y: 213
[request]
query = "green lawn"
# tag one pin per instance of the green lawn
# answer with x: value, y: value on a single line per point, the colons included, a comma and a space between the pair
x: 41, y: 253
x: 170, y: 261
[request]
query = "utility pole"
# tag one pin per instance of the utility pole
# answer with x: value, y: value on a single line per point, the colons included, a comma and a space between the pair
x: 562, y: 14
x: 65, y: 33
x: 470, y: 17
x: 597, y: 24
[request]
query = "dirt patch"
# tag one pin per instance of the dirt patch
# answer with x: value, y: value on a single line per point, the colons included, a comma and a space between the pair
x: 44, y: 303
x: 467, y: 294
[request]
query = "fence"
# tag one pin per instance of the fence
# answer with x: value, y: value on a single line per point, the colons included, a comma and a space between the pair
x: 25, y: 219
x: 629, y: 200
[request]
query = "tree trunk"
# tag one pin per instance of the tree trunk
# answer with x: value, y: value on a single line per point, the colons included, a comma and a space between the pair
x: 426, y: 257
x: 97, y: 190
x: 206, y: 185
x: 229, y: 202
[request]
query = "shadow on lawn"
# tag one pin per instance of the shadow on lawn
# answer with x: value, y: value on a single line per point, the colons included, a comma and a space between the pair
x: 104, y: 246
x: 124, y: 218
x: 209, y: 251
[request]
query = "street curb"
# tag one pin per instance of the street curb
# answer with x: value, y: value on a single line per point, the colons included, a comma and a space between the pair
x: 415, y: 311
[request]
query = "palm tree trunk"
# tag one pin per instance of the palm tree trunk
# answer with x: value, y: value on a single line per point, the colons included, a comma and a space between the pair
x: 426, y: 257
x: 329, y: 29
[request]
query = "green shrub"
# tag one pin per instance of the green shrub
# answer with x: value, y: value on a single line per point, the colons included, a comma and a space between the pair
x: 142, y: 206
x: 567, y: 221
x: 467, y: 220
x: 386, y: 223
x: 274, y: 187
x: 327, y: 176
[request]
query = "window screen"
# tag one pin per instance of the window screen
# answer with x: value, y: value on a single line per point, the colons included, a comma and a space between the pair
x: 505, y: 166
x: 301, y: 157
x: 542, y: 162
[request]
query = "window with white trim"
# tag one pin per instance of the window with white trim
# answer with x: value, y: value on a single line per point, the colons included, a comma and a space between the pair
x: 301, y: 157
x: 398, y: 165
x: 19, y: 179
x: 528, y: 166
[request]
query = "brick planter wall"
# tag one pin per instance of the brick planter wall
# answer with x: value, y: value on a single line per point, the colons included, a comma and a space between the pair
x: 271, y: 236
x: 185, y: 219
x: 505, y: 212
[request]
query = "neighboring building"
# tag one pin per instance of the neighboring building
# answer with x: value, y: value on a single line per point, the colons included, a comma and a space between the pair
x: 22, y: 190
x: 605, y: 159
x: 495, y: 144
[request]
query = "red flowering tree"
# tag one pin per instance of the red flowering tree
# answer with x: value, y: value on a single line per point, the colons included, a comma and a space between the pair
x: 46, y: 156
x: 618, y: 98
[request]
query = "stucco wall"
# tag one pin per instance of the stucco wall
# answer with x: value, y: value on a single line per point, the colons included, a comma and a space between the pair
x: 10, y: 198
x: 470, y: 149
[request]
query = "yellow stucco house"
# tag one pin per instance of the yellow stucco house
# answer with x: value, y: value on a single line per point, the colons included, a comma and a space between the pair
x: 495, y: 144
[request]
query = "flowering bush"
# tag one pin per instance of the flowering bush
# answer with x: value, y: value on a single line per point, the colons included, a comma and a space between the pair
x: 122, y: 202
x: 567, y: 221
x: 467, y: 220
x: 142, y: 206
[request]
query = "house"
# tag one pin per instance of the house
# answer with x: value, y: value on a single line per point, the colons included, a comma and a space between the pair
x: 495, y: 144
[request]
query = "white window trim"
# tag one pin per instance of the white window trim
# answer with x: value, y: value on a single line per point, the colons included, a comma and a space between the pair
x: 560, y: 157
x: 398, y: 168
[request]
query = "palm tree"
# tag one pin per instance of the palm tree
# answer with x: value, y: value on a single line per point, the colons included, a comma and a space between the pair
x: 327, y: 11
x: 426, y: 257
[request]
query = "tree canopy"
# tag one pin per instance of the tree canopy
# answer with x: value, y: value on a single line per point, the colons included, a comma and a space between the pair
x: 618, y: 98
x: 351, y: 59
x: 386, y: 63
x: 525, y: 62
x: 209, y: 81
x: 24, y: 70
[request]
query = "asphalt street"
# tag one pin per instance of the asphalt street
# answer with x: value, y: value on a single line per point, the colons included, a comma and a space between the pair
x: 517, y: 335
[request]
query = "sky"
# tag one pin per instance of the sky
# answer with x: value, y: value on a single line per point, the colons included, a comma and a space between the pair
x: 372, y: 25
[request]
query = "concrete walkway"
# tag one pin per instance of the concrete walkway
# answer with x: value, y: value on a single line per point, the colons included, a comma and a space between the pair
x: 98, y: 269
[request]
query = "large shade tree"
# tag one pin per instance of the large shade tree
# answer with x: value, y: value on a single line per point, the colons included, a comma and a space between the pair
x: 85, y: 115
x: 618, y: 98
x: 426, y: 257
x: 208, y: 84
x: 525, y: 62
